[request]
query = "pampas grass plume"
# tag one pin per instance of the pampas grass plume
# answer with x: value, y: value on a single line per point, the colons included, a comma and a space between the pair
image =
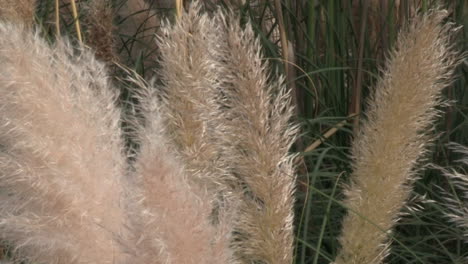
x: 170, y: 217
x: 257, y: 114
x: 180, y: 227
x: 190, y: 76
x: 229, y: 129
x: 395, y: 136
x: 61, y: 159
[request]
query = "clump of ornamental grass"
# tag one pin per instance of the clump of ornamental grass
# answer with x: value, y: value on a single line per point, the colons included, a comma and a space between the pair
x: 388, y: 151
x: 223, y: 120
x: 211, y: 180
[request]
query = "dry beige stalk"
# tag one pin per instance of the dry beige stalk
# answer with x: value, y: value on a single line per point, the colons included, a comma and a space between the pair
x: 394, y: 138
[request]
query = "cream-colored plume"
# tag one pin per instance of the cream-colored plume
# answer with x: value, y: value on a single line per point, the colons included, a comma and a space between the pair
x: 257, y: 111
x: 61, y: 159
x: 178, y: 133
x: 170, y: 216
x: 230, y: 125
x: 190, y: 73
x: 395, y: 136
x: 212, y: 180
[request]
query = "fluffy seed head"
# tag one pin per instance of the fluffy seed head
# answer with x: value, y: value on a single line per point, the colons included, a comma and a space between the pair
x: 395, y: 135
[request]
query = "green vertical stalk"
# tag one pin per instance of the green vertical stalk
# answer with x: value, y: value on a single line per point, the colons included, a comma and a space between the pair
x: 424, y: 6
x: 341, y: 54
x: 330, y: 51
x: 311, y: 26
x: 359, y: 79
x: 308, y: 210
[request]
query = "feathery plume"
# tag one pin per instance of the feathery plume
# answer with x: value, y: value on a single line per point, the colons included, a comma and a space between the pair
x: 189, y: 73
x: 257, y: 111
x: 176, y: 222
x: 18, y: 11
x: 61, y: 158
x: 170, y: 218
x: 223, y: 121
x: 394, y: 138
